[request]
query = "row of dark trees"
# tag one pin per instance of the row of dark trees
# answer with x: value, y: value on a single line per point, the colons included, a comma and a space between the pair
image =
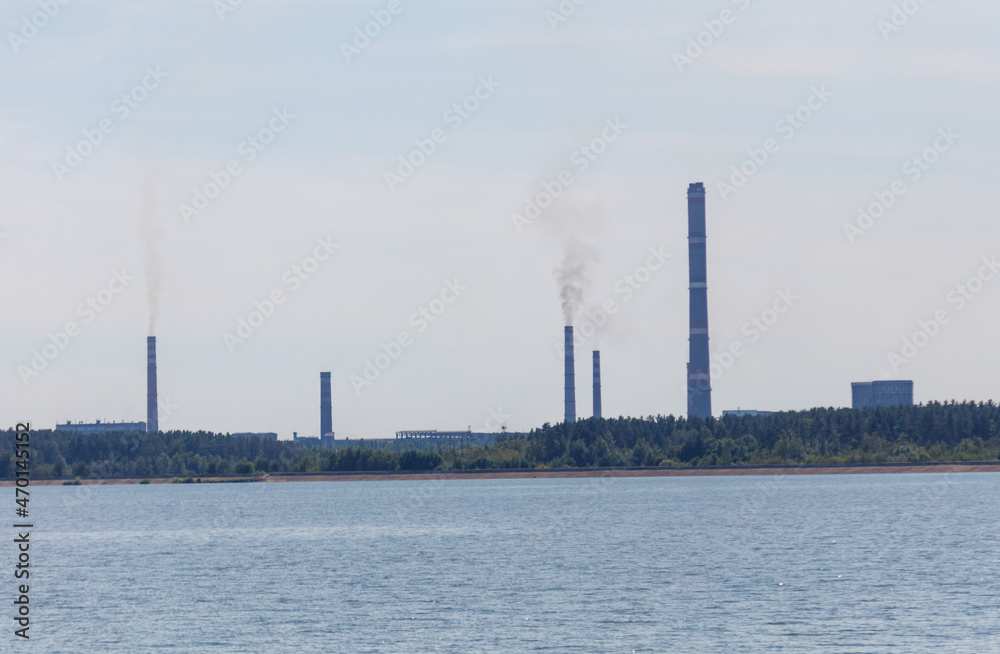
x: 932, y: 432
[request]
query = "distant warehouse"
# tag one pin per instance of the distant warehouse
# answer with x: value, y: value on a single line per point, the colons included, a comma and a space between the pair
x: 882, y: 393
x: 101, y: 427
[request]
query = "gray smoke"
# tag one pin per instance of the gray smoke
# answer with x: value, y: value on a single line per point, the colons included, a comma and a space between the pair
x: 153, y: 261
x: 574, y: 276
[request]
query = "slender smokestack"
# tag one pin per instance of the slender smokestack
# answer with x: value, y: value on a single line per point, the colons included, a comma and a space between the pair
x: 570, y: 377
x: 152, y: 422
x: 699, y: 379
x: 597, y: 384
x: 325, y: 405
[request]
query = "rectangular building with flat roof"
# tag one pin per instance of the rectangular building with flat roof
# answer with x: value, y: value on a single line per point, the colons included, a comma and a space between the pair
x: 881, y: 393
x: 100, y: 427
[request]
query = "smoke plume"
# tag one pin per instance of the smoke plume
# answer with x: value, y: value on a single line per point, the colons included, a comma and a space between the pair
x: 574, y: 276
x: 153, y: 262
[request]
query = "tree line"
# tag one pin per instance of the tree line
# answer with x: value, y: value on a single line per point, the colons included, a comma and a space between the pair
x: 924, y: 433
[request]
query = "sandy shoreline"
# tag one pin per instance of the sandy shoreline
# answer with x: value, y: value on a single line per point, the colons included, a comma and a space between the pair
x: 571, y: 474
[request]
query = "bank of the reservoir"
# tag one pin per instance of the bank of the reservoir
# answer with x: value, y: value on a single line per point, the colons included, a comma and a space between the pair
x: 564, y: 473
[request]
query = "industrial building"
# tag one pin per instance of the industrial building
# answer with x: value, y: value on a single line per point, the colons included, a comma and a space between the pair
x: 570, y: 381
x: 152, y: 420
x: 417, y: 439
x: 325, y: 406
x: 421, y: 438
x: 881, y: 393
x: 597, y: 384
x: 450, y: 437
x: 101, y: 427
x: 699, y: 388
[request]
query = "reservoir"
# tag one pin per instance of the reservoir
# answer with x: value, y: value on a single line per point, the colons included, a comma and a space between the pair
x: 816, y: 563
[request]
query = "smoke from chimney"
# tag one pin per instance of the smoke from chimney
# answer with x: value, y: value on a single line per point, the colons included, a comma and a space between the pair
x: 574, y: 276
x: 152, y: 260
x: 152, y: 421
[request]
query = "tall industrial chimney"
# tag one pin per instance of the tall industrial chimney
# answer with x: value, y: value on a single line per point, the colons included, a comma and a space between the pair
x: 325, y: 405
x: 152, y: 422
x: 699, y: 378
x: 570, y: 377
x: 597, y: 384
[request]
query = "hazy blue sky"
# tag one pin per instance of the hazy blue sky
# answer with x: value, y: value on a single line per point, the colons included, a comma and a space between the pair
x: 879, y: 97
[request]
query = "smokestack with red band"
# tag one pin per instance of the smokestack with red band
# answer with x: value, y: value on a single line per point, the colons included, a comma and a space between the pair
x: 699, y: 379
x: 570, y: 377
x: 325, y: 405
x: 152, y: 422
x: 597, y: 384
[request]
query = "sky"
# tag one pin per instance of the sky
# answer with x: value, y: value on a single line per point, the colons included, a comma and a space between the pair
x: 392, y: 191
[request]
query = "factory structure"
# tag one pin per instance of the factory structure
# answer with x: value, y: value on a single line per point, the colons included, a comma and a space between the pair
x: 881, y: 393
x: 421, y: 439
x: 597, y: 384
x: 699, y: 387
x: 570, y: 383
x: 325, y: 407
x: 412, y: 439
x: 326, y: 436
x: 152, y: 422
x: 699, y: 380
x: 99, y: 427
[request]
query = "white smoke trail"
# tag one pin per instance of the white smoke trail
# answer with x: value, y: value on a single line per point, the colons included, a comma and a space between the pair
x: 153, y: 261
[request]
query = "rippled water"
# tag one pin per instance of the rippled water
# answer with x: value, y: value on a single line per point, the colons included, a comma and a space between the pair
x: 866, y: 563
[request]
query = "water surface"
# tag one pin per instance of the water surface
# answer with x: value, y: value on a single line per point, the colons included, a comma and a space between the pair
x: 826, y: 563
